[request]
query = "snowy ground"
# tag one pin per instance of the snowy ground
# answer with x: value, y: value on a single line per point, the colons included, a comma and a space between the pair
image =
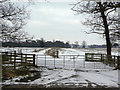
x: 73, y: 72
x: 74, y: 78
x: 78, y: 78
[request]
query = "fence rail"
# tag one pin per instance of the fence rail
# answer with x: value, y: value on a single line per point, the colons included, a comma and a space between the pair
x: 110, y: 60
x: 89, y: 60
x: 17, y: 59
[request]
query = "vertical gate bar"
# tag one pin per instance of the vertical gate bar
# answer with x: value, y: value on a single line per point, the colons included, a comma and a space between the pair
x: 63, y: 61
x: 45, y: 60
x: 84, y: 61
x: 105, y: 61
x: 37, y: 60
x: 73, y: 61
x: 54, y: 62
x: 101, y: 58
x: 94, y: 64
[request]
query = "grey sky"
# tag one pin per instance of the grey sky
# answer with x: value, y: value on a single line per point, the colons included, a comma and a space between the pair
x: 56, y: 21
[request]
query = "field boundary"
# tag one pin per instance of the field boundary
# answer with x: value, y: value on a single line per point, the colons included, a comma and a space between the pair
x: 110, y: 60
x: 17, y: 59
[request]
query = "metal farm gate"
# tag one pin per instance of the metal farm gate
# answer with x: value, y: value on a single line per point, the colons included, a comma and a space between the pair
x: 70, y: 62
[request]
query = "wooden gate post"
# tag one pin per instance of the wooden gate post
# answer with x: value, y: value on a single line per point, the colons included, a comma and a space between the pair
x: 57, y: 53
x: 25, y: 60
x: 118, y: 62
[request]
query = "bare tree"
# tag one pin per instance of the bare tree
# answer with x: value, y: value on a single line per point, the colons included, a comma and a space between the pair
x: 12, y: 20
x: 76, y: 44
x: 42, y: 42
x: 84, y: 44
x: 103, y: 19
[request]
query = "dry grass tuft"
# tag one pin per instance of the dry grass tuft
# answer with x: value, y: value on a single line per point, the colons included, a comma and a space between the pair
x: 54, y: 52
x: 37, y: 50
x: 9, y: 73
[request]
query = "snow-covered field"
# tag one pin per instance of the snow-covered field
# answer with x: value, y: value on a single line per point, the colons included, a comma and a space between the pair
x: 64, y: 51
x: 71, y: 71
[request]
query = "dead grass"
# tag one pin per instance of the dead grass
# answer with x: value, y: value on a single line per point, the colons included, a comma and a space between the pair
x: 9, y: 73
x: 37, y: 50
x: 52, y: 52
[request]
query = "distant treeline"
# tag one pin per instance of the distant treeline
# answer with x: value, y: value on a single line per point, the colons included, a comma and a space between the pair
x: 42, y: 43
x: 115, y: 45
x: 38, y: 43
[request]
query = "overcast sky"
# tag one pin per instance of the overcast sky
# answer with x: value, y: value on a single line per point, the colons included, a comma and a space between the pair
x: 56, y: 21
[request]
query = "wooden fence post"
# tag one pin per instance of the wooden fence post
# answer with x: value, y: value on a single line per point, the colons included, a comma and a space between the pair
x: 21, y: 59
x: 106, y: 59
x: 57, y: 53
x: 86, y: 57
x: 114, y: 61
x: 34, y: 59
x: 25, y: 60
x: 101, y: 58
x: 7, y: 57
x: 10, y: 57
x: 15, y: 60
x: 92, y: 56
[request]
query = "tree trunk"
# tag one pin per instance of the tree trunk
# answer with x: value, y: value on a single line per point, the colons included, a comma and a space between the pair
x: 108, y: 43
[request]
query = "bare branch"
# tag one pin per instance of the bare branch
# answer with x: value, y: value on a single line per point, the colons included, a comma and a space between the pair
x: 14, y: 19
